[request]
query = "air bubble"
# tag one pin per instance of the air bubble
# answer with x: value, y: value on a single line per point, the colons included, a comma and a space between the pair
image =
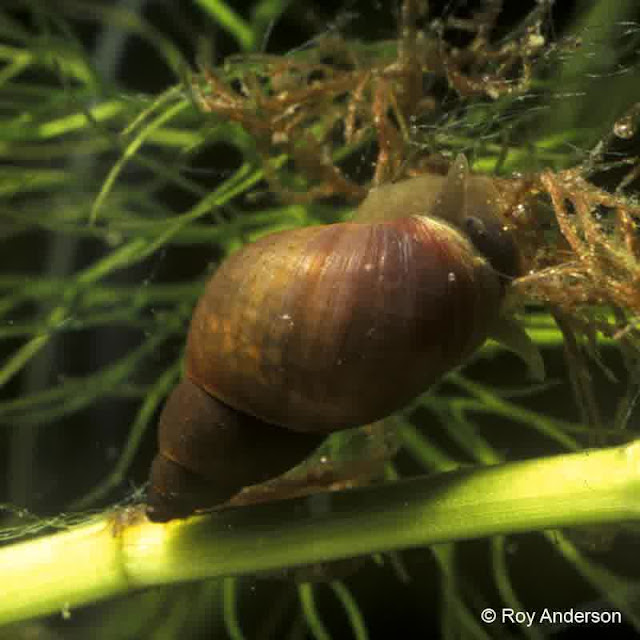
x: 519, y: 212
x: 624, y: 128
x: 451, y: 277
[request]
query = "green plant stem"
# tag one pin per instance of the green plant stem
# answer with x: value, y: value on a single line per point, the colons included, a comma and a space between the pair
x: 111, y: 557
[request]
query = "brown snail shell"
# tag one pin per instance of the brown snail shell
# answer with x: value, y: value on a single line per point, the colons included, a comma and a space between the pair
x: 330, y: 327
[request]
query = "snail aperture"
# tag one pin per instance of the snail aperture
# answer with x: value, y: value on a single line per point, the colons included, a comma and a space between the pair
x: 467, y: 202
x: 312, y: 330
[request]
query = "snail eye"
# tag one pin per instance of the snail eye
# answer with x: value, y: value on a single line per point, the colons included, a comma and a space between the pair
x: 476, y: 230
x: 494, y: 243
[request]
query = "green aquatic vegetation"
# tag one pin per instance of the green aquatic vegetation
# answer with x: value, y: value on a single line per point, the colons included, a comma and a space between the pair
x: 103, y: 189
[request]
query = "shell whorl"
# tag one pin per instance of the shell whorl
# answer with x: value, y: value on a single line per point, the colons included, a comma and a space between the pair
x: 330, y: 327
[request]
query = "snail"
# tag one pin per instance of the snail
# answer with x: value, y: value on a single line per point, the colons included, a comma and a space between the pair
x: 317, y: 329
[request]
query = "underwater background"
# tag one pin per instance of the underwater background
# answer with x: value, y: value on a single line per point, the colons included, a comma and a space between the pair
x: 120, y: 192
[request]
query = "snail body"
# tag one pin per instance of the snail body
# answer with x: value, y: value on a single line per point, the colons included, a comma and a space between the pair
x: 312, y: 330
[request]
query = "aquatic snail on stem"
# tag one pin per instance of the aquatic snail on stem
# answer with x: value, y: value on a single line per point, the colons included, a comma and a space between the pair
x: 324, y: 328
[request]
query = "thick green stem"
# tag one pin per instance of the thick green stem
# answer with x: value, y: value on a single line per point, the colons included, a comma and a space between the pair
x: 111, y: 557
